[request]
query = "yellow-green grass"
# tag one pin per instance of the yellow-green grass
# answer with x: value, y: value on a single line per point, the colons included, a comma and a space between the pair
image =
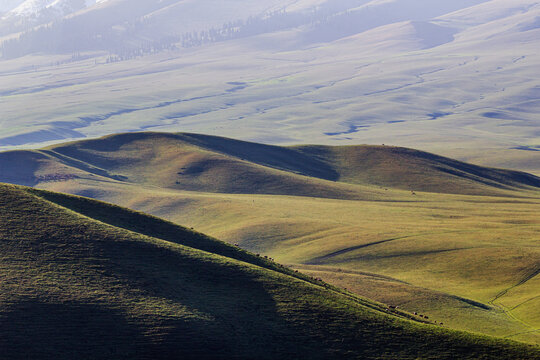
x: 471, y: 247
x: 76, y: 286
x: 450, y: 310
x: 351, y: 209
x: 213, y: 164
x: 410, y: 169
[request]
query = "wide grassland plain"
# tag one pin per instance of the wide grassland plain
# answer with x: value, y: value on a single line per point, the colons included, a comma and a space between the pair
x: 465, y: 253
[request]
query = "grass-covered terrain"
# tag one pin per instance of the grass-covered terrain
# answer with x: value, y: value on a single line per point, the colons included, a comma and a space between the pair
x: 88, y: 280
x: 463, y: 249
x: 359, y: 217
x: 215, y: 164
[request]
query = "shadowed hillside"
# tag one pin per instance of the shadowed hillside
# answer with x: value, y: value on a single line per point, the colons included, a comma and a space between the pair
x: 77, y: 286
x: 24, y: 167
x: 186, y: 162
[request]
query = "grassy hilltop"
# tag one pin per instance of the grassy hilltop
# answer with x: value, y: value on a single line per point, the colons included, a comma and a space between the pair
x: 430, y: 234
x: 209, y: 163
x: 75, y: 284
x: 214, y: 164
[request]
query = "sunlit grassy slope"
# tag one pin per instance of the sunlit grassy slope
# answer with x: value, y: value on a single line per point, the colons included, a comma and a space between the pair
x: 469, y: 261
x: 463, y: 249
x: 89, y: 280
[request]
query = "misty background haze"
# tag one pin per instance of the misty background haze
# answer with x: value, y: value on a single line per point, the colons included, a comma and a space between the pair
x: 130, y: 28
x: 446, y: 76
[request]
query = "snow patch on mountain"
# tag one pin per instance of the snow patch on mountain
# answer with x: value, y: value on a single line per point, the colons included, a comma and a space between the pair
x: 59, y: 7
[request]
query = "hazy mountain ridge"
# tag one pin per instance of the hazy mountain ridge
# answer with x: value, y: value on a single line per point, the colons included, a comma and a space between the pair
x: 453, y: 78
x: 25, y: 15
x: 157, y: 22
x: 8, y: 5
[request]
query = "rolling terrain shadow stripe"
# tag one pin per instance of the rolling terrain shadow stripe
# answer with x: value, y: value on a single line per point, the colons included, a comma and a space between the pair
x: 526, y: 278
x: 81, y: 165
x: 318, y: 259
x: 275, y: 157
x: 415, y: 253
x: 526, y: 301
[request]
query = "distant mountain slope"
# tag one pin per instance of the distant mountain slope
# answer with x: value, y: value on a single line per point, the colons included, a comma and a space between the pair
x: 456, y: 78
x: 105, y: 24
x: 216, y: 164
x: 158, y: 19
x: 75, y: 286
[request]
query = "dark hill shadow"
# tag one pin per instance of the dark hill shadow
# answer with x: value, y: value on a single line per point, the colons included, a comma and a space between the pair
x: 19, y: 167
x: 488, y: 176
x: 414, y: 169
x: 277, y: 157
x: 151, y: 226
x: 35, y: 329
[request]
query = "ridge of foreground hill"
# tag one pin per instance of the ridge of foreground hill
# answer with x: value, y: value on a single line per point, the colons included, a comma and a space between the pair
x: 205, y: 163
x: 77, y: 284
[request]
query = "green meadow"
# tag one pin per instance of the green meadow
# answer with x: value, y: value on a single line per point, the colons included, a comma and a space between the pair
x: 90, y: 280
x: 468, y: 262
x: 455, y: 242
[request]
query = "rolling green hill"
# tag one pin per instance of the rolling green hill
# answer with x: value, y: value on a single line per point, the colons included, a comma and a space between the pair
x: 90, y: 280
x: 213, y: 164
x: 465, y: 253
x: 209, y: 163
